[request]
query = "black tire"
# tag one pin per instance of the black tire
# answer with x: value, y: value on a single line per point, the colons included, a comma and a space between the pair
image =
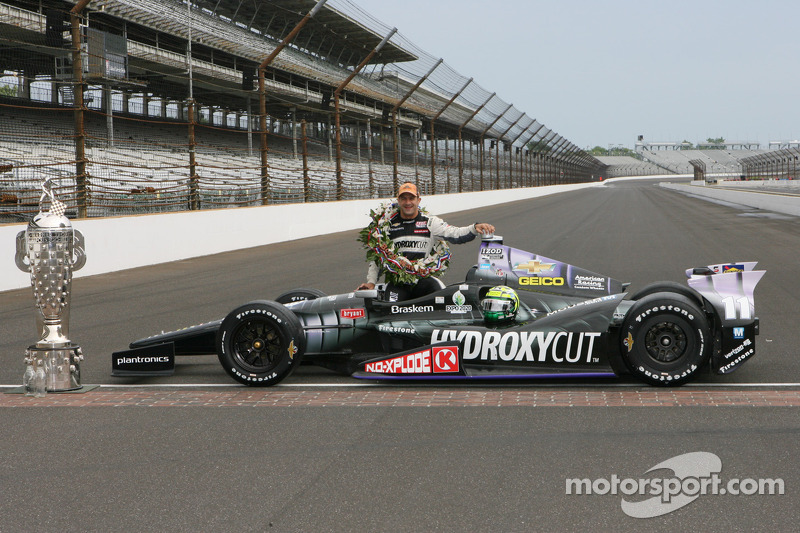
x: 299, y: 295
x: 669, y: 286
x: 665, y: 339
x: 260, y: 343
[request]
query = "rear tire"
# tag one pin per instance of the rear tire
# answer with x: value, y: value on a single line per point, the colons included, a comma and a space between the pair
x: 299, y: 295
x: 260, y: 343
x: 665, y: 339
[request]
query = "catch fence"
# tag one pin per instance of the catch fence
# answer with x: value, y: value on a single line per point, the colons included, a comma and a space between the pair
x: 172, y: 119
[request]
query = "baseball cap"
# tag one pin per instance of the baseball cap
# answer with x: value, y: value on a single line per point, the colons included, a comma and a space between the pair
x: 407, y: 188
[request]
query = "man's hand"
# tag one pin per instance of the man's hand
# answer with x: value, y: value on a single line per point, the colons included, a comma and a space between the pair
x: 484, y: 228
x: 366, y: 286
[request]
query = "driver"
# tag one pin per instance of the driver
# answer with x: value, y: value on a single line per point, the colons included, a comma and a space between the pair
x: 414, y: 234
x: 500, y: 304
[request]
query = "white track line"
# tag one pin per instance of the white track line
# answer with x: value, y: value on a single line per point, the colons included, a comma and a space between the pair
x: 445, y: 386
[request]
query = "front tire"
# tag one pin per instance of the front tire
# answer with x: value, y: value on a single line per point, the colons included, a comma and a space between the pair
x: 665, y: 339
x: 260, y: 343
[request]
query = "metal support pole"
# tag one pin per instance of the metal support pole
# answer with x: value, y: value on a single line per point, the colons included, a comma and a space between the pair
x: 433, y: 136
x: 80, y: 133
x: 262, y: 93
x: 369, y: 159
x: 306, y: 180
x: 336, y: 95
x: 460, y: 128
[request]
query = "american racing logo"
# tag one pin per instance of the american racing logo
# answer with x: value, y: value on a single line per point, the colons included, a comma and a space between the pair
x: 534, y: 346
x: 541, y: 282
x: 352, y: 314
x: 412, y: 309
x: 595, y: 283
x: 434, y: 360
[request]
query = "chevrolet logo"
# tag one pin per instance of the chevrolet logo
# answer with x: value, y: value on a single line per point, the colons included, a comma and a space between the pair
x: 535, y: 266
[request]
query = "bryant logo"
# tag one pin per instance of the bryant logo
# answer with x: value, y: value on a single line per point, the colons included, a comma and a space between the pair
x: 352, y: 313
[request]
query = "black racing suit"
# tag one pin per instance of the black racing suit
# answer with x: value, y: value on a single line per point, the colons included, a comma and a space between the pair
x: 415, y: 239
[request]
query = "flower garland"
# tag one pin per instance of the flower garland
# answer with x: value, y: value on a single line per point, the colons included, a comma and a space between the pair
x: 382, y: 250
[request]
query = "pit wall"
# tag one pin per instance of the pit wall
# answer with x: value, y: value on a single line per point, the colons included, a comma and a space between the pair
x: 119, y: 243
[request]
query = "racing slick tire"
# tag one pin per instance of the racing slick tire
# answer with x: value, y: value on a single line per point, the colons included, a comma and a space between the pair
x: 299, y: 295
x: 665, y: 339
x: 669, y: 286
x: 260, y: 343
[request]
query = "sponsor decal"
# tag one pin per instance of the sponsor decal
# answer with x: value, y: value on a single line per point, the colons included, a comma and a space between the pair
x: 732, y: 268
x: 595, y: 283
x: 439, y: 299
x: 492, y: 252
x: 532, y: 346
x: 445, y: 359
x: 413, y: 363
x: 332, y: 298
x: 738, y: 333
x: 352, y: 314
x: 422, y: 224
x: 588, y: 302
x: 541, y: 282
x: 412, y: 309
x: 739, y: 348
x: 484, y: 266
x: 535, y: 266
x: 292, y: 349
x: 142, y: 360
x: 628, y: 342
x: 459, y: 307
x: 386, y: 328
x: 499, y: 272
x: 420, y: 231
x: 411, y: 244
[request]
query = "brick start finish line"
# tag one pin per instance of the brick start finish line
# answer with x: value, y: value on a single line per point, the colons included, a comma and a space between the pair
x: 389, y: 397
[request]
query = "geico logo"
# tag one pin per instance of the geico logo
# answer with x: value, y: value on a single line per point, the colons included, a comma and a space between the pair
x: 541, y: 281
x: 534, y: 346
x: 138, y: 360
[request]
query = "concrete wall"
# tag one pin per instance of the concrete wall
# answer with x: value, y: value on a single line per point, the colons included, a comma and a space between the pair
x: 127, y: 242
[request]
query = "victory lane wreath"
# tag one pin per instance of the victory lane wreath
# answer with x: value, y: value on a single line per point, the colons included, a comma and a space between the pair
x: 382, y: 250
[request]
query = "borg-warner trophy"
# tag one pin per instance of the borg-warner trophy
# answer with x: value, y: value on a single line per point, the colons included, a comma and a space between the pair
x: 50, y: 249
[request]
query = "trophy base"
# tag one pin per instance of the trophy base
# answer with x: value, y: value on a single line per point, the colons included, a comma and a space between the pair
x: 62, y: 366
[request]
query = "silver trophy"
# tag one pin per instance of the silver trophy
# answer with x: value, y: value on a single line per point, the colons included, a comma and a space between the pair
x: 50, y: 249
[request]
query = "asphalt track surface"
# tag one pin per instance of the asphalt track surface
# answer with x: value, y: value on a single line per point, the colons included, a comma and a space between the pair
x: 325, y: 453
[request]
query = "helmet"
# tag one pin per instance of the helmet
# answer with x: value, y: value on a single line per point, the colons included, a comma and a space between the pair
x: 500, y: 303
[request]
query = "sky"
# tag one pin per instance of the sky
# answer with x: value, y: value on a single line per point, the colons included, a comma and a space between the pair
x: 602, y: 73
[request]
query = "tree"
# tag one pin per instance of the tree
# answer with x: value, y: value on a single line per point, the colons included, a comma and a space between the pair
x: 6, y: 90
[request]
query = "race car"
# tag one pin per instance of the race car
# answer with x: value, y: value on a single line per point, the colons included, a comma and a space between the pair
x: 568, y: 323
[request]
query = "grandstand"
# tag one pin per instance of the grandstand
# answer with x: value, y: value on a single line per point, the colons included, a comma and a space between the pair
x: 180, y: 107
x: 721, y: 160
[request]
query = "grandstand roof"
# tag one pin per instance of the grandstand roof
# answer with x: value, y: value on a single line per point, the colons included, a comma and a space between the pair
x: 330, y: 34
